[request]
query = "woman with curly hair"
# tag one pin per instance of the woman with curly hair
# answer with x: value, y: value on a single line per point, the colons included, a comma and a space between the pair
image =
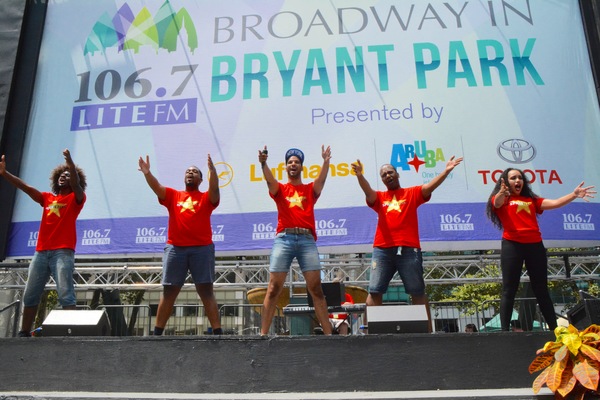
x: 55, y: 250
x: 513, y: 208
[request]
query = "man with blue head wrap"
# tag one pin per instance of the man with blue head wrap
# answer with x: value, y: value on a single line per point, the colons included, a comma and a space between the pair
x: 296, y: 233
x: 294, y: 152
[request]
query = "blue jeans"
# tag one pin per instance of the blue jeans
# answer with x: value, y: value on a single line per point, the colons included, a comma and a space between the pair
x: 408, y: 262
x: 287, y: 246
x: 178, y: 260
x: 59, y: 264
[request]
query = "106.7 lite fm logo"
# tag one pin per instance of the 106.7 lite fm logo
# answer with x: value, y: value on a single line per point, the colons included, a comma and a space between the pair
x: 110, y: 98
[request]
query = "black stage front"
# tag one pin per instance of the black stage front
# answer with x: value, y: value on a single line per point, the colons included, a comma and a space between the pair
x: 252, y: 364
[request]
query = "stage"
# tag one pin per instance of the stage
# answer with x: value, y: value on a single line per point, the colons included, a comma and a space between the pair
x: 443, y: 365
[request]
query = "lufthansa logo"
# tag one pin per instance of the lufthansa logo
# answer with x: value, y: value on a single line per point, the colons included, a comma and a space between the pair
x: 225, y: 173
x: 516, y: 151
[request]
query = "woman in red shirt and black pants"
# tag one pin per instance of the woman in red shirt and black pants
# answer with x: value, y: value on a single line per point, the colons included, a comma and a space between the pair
x: 513, y: 207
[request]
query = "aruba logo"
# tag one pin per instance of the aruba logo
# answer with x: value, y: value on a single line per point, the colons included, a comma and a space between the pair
x: 130, y: 32
x: 406, y: 155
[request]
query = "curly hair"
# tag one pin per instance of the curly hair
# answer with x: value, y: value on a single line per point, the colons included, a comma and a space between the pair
x: 526, y: 192
x: 55, y: 174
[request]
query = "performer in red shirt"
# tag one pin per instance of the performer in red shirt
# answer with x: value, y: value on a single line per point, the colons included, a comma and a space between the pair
x: 513, y: 207
x: 296, y: 233
x: 396, y: 247
x: 55, y: 250
x: 189, y: 244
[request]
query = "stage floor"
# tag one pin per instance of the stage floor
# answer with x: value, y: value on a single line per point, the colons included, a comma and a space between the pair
x: 444, y: 365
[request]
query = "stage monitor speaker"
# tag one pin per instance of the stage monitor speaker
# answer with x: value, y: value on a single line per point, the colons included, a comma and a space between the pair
x: 76, y: 323
x: 586, y: 312
x: 397, y: 319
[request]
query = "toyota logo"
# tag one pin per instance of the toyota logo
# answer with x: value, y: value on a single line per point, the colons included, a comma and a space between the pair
x: 516, y: 151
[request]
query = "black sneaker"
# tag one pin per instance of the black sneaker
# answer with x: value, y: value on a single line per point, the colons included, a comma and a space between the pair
x: 24, y: 334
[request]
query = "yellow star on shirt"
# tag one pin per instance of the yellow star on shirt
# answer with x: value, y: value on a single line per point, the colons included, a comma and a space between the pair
x: 395, y: 205
x: 296, y: 200
x: 523, y: 205
x: 54, y: 208
x: 188, y: 204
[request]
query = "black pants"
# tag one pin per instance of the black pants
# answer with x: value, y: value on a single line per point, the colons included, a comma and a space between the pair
x: 512, y: 256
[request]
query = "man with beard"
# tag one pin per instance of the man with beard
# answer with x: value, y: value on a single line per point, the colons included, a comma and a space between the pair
x: 397, y: 247
x: 55, y: 249
x: 189, y: 242
x: 296, y: 233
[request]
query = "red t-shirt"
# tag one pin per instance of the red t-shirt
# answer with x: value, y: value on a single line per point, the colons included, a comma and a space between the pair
x: 518, y: 216
x: 398, y: 223
x: 58, y: 225
x: 189, y: 217
x: 295, y: 207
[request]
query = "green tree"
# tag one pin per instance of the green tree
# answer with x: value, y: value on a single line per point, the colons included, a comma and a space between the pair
x: 475, y: 295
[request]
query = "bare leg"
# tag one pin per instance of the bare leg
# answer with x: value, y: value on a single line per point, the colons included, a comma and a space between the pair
x: 165, y: 305
x: 28, y: 317
x: 375, y: 299
x: 313, y: 285
x: 422, y: 299
x: 343, y: 329
x: 207, y: 295
x: 274, y: 289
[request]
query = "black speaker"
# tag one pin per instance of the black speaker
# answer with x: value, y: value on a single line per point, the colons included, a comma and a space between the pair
x: 335, y: 294
x: 586, y: 312
x: 76, y: 323
x: 397, y: 319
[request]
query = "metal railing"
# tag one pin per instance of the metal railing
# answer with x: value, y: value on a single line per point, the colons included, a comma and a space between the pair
x: 452, y: 316
x: 529, y: 317
x: 125, y: 319
x: 245, y: 319
x: 16, y: 316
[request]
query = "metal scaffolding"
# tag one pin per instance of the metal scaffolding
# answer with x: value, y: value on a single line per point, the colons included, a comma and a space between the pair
x: 353, y: 269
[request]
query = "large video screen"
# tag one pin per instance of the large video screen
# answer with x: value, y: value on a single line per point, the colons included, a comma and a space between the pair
x: 411, y: 83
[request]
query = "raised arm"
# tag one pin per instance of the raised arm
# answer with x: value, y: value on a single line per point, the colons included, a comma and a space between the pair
x: 157, y: 188
x: 320, y: 181
x: 213, y: 183
x: 74, y: 179
x: 370, y: 194
x: 433, y: 184
x: 502, y: 195
x: 579, y: 192
x: 272, y: 183
x: 32, y: 192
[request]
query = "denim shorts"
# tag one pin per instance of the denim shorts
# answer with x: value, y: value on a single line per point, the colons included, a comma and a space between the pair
x: 198, y: 260
x: 301, y: 246
x: 60, y: 264
x: 408, y: 263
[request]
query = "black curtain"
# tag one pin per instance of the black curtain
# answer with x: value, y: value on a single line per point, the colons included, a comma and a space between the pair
x: 590, y: 10
x: 22, y: 26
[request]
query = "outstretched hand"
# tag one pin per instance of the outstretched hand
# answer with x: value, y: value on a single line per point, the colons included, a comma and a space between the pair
x: 210, y: 164
x: 263, y: 155
x: 584, y: 192
x: 67, y: 156
x: 144, y: 165
x: 505, y: 190
x: 326, y: 153
x: 357, y: 167
x: 452, y: 162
